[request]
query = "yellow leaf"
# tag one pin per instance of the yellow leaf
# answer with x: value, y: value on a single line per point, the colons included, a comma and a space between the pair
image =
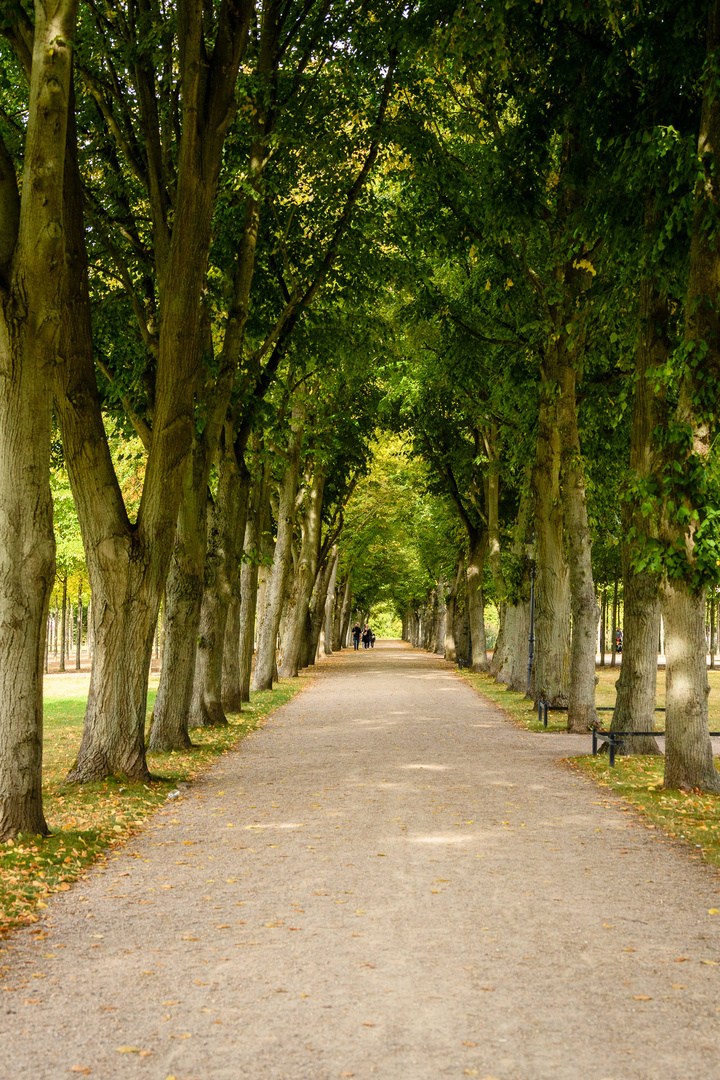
x: 713, y: 911
x: 641, y: 997
x: 128, y: 1049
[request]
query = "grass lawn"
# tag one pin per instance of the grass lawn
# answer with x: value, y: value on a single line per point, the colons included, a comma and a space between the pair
x: 691, y: 817
x: 86, y: 820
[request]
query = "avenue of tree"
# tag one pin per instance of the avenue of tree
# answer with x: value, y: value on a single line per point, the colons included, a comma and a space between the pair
x: 310, y: 305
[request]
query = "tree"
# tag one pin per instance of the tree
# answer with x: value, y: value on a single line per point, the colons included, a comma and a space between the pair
x: 32, y: 248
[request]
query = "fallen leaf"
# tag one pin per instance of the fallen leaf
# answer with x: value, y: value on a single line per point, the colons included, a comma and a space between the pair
x: 368, y: 1023
x: 64, y: 887
x: 174, y: 1001
x: 678, y: 986
x: 127, y: 1049
x: 31, y: 1001
x: 641, y: 997
x: 713, y: 911
x: 466, y: 1042
x: 710, y: 963
x: 84, y: 1069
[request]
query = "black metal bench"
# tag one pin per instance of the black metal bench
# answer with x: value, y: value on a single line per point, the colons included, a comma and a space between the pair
x: 544, y: 707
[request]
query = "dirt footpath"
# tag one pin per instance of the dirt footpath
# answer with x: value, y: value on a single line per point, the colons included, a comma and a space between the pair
x: 389, y: 880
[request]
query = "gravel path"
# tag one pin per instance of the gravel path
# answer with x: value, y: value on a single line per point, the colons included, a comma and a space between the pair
x: 388, y: 880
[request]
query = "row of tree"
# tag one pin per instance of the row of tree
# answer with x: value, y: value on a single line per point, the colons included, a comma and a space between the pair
x: 248, y: 234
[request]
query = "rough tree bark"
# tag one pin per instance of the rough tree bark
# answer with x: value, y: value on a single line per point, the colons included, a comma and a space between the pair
x: 32, y: 235
x: 257, y: 524
x: 450, y: 605
x: 330, y: 603
x: 63, y: 625
x: 581, y: 696
x: 183, y: 598
x: 688, y: 751
x: 296, y: 625
x: 267, y: 638
x: 637, y: 685
x: 227, y: 516
x: 552, y: 589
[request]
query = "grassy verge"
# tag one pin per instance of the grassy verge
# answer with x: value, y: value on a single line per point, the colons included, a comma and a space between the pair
x: 692, y: 817
x: 525, y: 713
x: 86, y: 820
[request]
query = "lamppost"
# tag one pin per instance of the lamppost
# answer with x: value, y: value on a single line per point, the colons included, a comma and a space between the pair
x: 531, y: 637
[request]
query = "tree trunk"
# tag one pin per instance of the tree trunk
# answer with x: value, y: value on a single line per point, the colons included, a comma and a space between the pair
x: 613, y: 623
x: 552, y: 590
x: 712, y: 628
x: 442, y: 618
x: 581, y: 697
x: 231, y: 685
x: 296, y: 626
x: 63, y: 625
x: 330, y: 602
x: 125, y: 602
x: 637, y: 685
x: 31, y: 267
x: 183, y: 599
x: 78, y: 641
x: 462, y: 629
x: 450, y: 615
x: 227, y: 517
x: 257, y: 522
x: 688, y: 751
x: 317, y: 612
x: 342, y: 595
x: 265, y: 659
x: 346, y: 613
x: 474, y: 570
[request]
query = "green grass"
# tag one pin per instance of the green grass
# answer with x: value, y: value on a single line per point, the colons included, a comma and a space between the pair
x: 692, y: 817
x: 85, y: 820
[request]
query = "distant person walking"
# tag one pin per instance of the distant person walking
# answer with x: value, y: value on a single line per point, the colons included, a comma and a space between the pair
x: 372, y: 640
x: 366, y: 635
x: 356, y: 632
